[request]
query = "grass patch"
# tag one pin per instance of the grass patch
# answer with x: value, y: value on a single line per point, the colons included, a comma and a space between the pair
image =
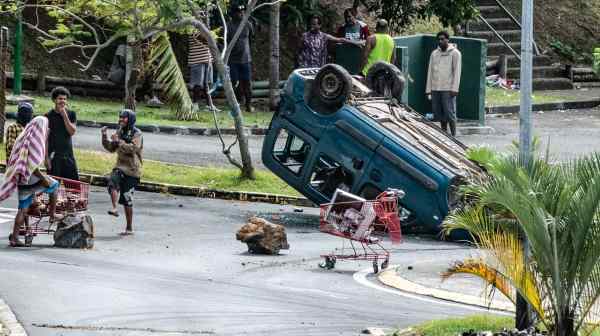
x: 501, y: 97
x: 101, y: 163
x: 104, y: 110
x: 456, y: 326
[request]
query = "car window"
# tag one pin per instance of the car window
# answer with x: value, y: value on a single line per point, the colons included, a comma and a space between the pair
x: 328, y: 175
x: 291, y: 151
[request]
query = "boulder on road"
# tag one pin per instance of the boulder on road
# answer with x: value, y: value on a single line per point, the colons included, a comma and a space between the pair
x: 75, y: 232
x: 263, y: 237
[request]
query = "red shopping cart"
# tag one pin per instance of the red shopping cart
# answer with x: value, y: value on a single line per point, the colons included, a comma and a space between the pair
x: 72, y: 199
x: 355, y: 221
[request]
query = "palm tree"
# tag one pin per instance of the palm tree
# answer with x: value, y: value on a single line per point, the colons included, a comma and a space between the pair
x: 557, y: 208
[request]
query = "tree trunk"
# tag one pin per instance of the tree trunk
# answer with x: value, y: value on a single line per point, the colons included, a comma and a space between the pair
x: 274, y: 70
x: 247, y: 167
x: 4, y: 59
x: 133, y: 71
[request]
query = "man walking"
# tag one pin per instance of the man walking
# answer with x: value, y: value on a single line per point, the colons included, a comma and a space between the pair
x: 201, y: 72
x: 60, y: 160
x: 127, y: 142
x: 443, y: 81
x: 240, y: 59
x: 379, y: 47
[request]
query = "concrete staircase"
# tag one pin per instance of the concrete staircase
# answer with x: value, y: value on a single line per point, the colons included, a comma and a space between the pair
x: 546, y: 76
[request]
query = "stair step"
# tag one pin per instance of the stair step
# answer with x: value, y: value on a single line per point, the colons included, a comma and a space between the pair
x: 507, y: 35
x: 486, y: 3
x: 491, y: 12
x: 538, y: 72
x: 498, y: 24
x: 552, y: 84
x: 513, y: 62
x: 497, y: 49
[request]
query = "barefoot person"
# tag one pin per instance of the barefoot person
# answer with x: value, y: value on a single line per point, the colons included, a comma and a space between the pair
x: 23, y: 174
x: 128, y: 144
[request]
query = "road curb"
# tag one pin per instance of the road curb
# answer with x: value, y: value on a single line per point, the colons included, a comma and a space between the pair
x: 391, y: 278
x: 181, y: 190
x: 567, y: 105
x: 9, y: 321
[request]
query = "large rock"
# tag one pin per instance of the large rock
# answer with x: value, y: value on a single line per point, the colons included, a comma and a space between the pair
x: 263, y: 237
x: 75, y: 232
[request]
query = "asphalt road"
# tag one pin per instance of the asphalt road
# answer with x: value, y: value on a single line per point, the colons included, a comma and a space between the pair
x: 184, y: 273
x: 569, y: 133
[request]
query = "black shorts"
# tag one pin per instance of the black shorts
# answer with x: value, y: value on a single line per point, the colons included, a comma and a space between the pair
x: 125, y: 184
x: 64, y: 166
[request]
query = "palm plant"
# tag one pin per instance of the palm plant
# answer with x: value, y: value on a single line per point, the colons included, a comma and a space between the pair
x: 557, y: 208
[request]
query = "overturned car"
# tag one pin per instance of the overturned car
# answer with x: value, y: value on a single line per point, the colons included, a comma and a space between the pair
x: 334, y: 132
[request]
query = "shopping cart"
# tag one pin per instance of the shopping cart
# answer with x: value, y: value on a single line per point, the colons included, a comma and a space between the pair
x: 355, y: 221
x: 72, y: 200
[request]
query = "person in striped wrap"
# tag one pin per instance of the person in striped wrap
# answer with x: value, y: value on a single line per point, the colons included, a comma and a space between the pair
x: 23, y: 173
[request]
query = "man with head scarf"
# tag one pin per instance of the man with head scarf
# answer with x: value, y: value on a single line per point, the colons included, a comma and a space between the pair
x: 23, y: 174
x: 127, y: 142
x: 24, y: 116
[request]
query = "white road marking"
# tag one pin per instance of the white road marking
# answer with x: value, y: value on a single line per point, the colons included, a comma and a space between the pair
x: 361, y: 278
x: 5, y: 218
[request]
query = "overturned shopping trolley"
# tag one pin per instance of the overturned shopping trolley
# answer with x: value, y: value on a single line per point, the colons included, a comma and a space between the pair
x: 353, y: 218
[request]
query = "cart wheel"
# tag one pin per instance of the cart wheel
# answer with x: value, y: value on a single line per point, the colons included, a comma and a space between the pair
x: 329, y: 263
x: 10, y: 237
x: 375, y: 267
x: 384, y: 264
x: 28, y: 240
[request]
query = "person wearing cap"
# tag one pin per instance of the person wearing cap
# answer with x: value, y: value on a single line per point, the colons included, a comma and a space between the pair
x: 61, y: 160
x: 240, y: 59
x: 127, y: 142
x: 379, y: 47
x: 24, y: 116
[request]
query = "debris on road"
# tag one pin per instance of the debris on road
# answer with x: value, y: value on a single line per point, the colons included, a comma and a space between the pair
x: 263, y: 237
x: 75, y: 232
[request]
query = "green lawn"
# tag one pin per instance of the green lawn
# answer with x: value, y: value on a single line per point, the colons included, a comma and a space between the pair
x: 501, y: 97
x: 455, y: 326
x: 101, y: 163
x: 107, y: 111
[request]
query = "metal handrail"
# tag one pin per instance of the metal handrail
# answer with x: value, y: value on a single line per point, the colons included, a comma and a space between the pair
x: 507, y: 12
x: 500, y: 37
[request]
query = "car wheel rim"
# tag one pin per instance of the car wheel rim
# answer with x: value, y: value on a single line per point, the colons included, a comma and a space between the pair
x: 331, y: 86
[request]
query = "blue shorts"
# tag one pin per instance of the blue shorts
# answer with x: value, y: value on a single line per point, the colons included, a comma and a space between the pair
x: 240, y: 71
x: 28, y: 192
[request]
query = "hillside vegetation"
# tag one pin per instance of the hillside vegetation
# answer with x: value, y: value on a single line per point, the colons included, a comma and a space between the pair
x: 570, y: 28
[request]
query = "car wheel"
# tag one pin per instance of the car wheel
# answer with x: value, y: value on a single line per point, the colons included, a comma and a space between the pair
x: 330, y: 89
x: 385, y: 80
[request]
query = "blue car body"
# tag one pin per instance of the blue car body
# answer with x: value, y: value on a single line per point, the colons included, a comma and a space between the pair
x: 364, y: 148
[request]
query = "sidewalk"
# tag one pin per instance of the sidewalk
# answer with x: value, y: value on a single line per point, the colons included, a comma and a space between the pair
x: 423, y: 277
x: 583, y: 98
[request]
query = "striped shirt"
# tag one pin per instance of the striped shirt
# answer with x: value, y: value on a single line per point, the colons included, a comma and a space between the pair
x: 198, y: 52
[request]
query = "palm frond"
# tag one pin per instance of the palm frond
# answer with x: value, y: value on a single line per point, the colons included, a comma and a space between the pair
x: 168, y: 73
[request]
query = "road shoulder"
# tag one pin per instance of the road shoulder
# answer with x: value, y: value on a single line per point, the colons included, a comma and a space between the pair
x: 9, y: 325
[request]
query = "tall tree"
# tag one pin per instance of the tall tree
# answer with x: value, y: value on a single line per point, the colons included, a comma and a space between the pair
x: 274, y: 64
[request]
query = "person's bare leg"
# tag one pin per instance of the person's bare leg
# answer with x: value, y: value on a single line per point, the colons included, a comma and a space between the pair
x: 52, y: 207
x: 114, y: 197
x: 19, y: 221
x: 129, y: 219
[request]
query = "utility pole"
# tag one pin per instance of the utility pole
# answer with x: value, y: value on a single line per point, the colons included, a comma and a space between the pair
x: 523, y: 316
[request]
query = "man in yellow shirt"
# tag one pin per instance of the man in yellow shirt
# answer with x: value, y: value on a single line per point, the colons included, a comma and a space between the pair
x: 379, y: 47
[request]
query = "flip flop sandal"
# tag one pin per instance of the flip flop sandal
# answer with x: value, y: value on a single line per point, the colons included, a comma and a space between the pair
x: 113, y: 213
x: 126, y: 233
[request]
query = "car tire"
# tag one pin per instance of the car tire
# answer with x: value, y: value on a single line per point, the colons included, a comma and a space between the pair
x: 330, y: 89
x: 384, y: 76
